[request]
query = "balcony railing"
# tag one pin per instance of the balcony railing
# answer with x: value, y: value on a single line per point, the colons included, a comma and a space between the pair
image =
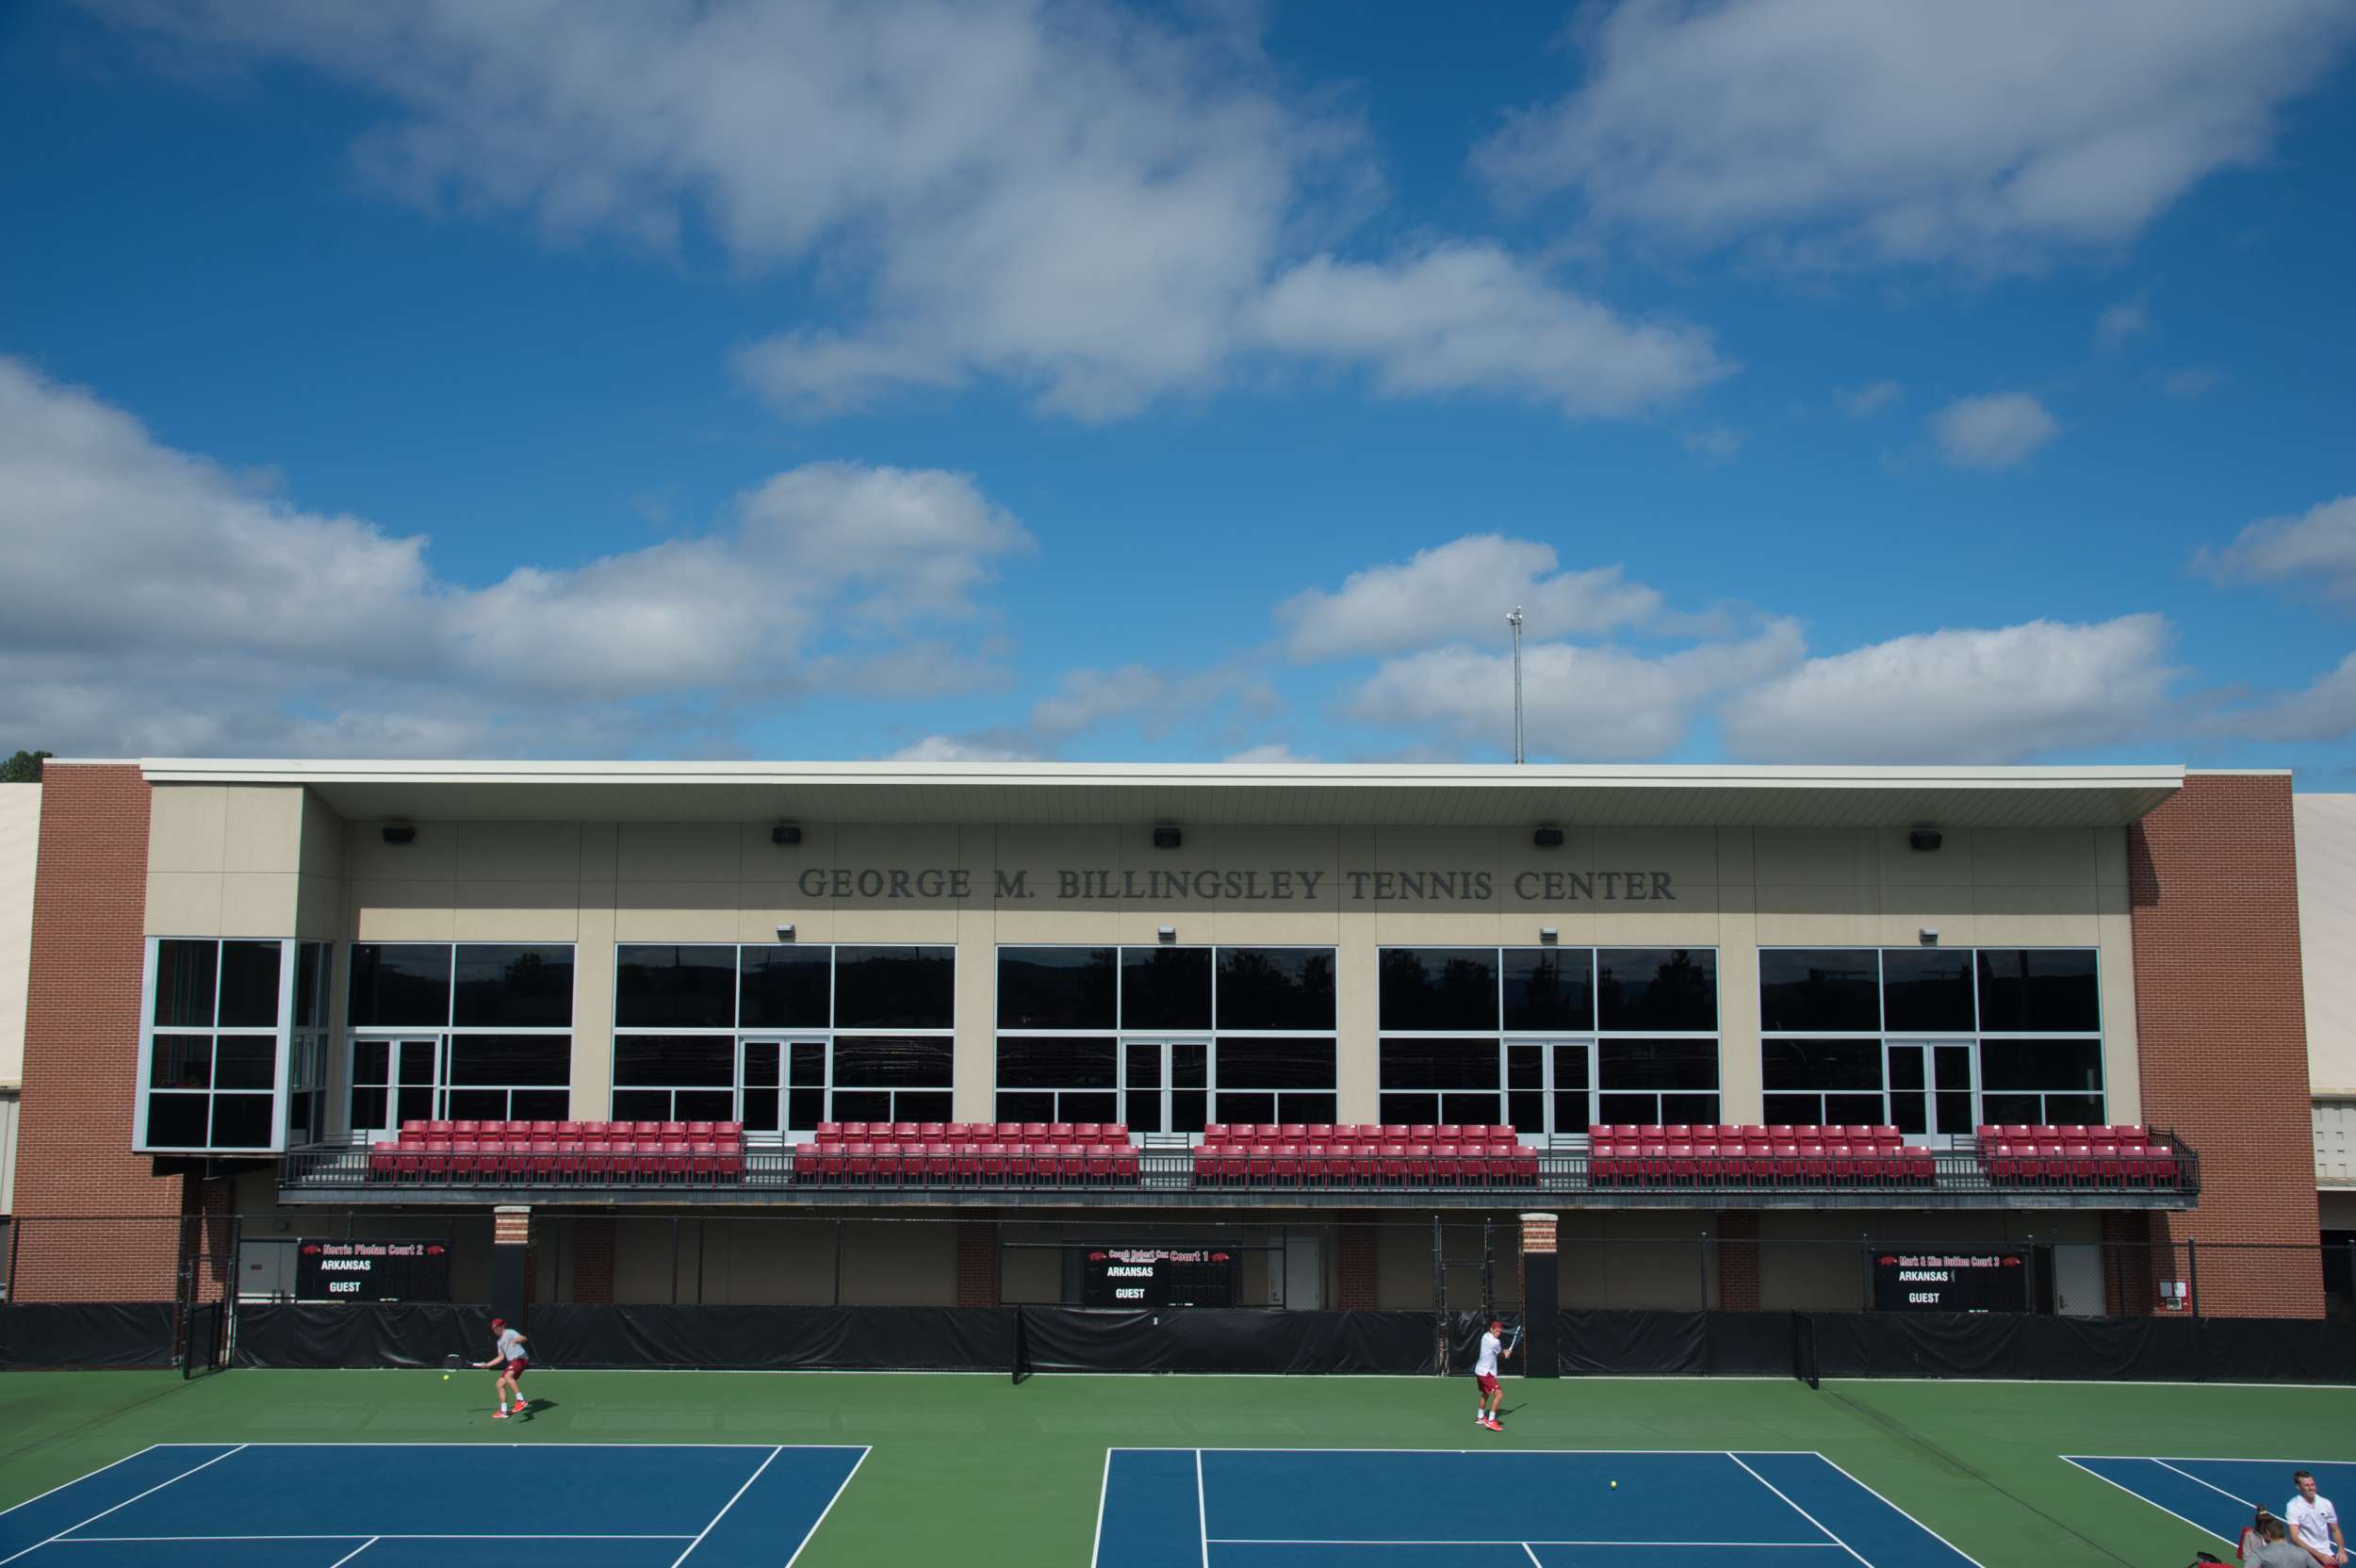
x: 1959, y: 1177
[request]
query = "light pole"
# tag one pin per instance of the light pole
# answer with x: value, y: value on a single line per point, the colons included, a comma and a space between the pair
x: 1515, y: 620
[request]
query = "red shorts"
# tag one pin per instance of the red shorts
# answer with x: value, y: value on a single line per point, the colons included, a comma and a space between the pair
x: 518, y: 1367
x: 1488, y: 1381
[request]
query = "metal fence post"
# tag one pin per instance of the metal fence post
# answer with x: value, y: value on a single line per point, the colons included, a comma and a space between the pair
x: 1701, y: 1256
x: 16, y: 1239
x: 674, y: 1260
x: 838, y: 1261
x: 2192, y: 1274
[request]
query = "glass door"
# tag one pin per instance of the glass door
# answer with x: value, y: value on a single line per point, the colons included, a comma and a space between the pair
x: 1166, y: 1085
x: 781, y: 1086
x: 1549, y: 1086
x: 1931, y: 1086
x: 416, y: 1080
x: 394, y: 1081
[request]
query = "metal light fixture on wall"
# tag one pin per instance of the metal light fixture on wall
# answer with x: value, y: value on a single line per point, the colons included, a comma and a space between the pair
x: 786, y: 833
x: 785, y: 933
x: 1166, y: 837
x: 1166, y: 933
x: 400, y: 832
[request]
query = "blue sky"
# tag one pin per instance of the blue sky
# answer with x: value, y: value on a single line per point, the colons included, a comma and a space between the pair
x: 1827, y: 381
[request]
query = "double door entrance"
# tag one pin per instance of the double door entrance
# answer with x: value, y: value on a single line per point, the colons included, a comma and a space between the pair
x: 395, y: 1081
x: 1931, y: 1085
x: 1166, y: 1085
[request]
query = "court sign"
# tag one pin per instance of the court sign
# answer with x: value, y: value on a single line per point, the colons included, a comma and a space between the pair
x: 353, y: 1270
x: 1157, y: 1276
x: 1950, y: 1282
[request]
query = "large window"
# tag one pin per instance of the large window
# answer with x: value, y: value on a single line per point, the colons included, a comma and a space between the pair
x: 465, y: 1031
x: 213, y: 1053
x: 782, y: 1036
x: 1166, y: 1039
x: 1932, y: 1040
x: 1548, y: 1038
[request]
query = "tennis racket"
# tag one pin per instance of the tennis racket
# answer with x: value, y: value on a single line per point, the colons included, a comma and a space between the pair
x: 1515, y: 1343
x: 454, y: 1362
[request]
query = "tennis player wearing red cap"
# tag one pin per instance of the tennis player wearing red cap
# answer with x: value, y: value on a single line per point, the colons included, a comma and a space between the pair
x: 513, y: 1363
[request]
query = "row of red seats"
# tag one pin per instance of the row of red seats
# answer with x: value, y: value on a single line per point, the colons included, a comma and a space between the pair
x: 1765, y: 1163
x: 865, y: 1163
x: 973, y: 1132
x: 576, y: 1132
x: 2107, y: 1163
x: 1367, y: 1132
x: 2015, y: 1132
x: 1727, y: 1132
x: 534, y: 1160
x: 1482, y: 1163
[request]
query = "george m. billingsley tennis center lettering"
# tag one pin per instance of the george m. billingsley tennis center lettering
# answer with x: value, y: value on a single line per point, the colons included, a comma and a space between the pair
x: 1097, y: 884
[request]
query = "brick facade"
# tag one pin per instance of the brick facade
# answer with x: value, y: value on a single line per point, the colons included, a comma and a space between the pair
x: 1738, y: 1261
x: 592, y: 1259
x: 81, y: 1054
x: 2220, y: 1021
x: 1357, y: 1268
x: 978, y: 1264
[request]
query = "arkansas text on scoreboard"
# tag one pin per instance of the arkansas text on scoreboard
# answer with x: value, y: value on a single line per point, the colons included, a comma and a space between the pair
x: 1950, y: 1282
x: 372, y: 1271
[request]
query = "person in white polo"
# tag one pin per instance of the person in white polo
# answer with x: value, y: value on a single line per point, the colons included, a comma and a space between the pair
x: 2315, y: 1523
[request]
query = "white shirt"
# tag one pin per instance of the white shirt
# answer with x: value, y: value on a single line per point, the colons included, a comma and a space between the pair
x: 510, y: 1344
x: 2311, y: 1523
x: 1487, y: 1366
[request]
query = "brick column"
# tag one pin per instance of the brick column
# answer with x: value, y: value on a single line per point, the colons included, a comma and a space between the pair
x: 81, y: 1054
x: 1738, y: 1259
x: 977, y: 1262
x: 593, y: 1259
x: 2221, y: 1023
x: 1356, y: 1267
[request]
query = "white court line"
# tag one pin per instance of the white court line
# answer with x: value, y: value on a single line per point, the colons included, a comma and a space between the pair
x: 354, y: 1535
x: 1798, y: 1510
x: 2211, y: 1458
x: 830, y: 1502
x: 1907, y: 1517
x: 2140, y: 1497
x: 1103, y: 1490
x: 125, y: 1503
x: 725, y: 1506
x: 1202, y: 1509
x: 354, y: 1552
x: 1532, y: 1556
x: 1586, y: 1453
x: 751, y: 1447
x: 1535, y: 1541
x: 100, y: 1471
x: 2210, y: 1485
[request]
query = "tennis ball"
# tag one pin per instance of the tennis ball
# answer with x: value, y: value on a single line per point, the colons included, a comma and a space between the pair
x: 1615, y: 1486
x: 445, y: 1378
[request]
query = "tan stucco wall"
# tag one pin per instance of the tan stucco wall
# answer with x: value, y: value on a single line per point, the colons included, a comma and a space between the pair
x: 219, y: 862
x: 2325, y: 827
x: 20, y: 844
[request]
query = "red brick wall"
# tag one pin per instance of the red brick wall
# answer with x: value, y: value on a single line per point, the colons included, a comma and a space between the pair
x: 592, y: 1259
x: 81, y: 1052
x: 1356, y: 1269
x: 2220, y: 1021
x: 978, y: 1264
x: 1738, y: 1259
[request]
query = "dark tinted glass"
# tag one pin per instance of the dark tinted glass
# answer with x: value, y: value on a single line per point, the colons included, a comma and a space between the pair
x: 895, y: 988
x: 544, y: 1059
x: 1788, y: 1063
x: 178, y: 1120
x: 1695, y: 1109
x: 181, y: 1062
x: 1166, y: 987
x: 1278, y: 1064
x: 1247, y: 1108
x: 1926, y: 989
x: 1053, y: 1062
x: 1409, y: 1107
x: 1085, y: 1108
x: 515, y: 988
x: 2074, y: 1110
x: 808, y: 1064
x: 925, y: 1107
x: 2013, y: 1064
x: 310, y: 991
x: 249, y: 985
x: 482, y: 1104
x: 1438, y: 1064
x: 2028, y: 988
x: 1057, y: 987
x: 368, y: 1109
x: 1026, y: 1106
x: 544, y: 1105
x: 1550, y: 989
x: 2024, y: 1109
x: 677, y: 1060
x: 761, y: 1064
x: 642, y: 1104
x: 1797, y: 1110
x: 1656, y: 1065
x: 1275, y: 988
x: 703, y: 1105
x: 666, y: 987
x: 887, y: 1062
x: 371, y: 1061
x: 1852, y: 1110
x: 399, y: 984
x: 808, y: 1107
x: 760, y: 1112
x: 785, y: 987
x: 1657, y: 988
x: 184, y: 982
x: 240, y: 1122
x: 1301, y: 1108
x: 1637, y: 1109
x: 1810, y: 988
x: 245, y: 1062
x: 1439, y: 988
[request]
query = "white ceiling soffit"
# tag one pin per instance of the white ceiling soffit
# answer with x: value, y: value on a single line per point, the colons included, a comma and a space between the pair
x: 1346, y: 794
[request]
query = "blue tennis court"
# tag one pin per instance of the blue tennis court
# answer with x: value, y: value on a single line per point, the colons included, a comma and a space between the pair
x: 2216, y: 1495
x: 1319, y: 1508
x: 434, y: 1505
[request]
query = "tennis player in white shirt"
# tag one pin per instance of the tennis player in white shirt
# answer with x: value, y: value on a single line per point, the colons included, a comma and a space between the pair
x: 2315, y: 1523
x: 1485, y: 1375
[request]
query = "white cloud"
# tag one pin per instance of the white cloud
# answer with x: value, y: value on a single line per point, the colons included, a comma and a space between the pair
x: 1715, y: 445
x: 1470, y: 318
x: 1273, y: 754
x: 1458, y: 590
x: 1088, y: 204
x: 1865, y: 401
x: 1998, y: 431
x: 1580, y: 703
x: 2315, y: 550
x: 159, y: 605
x: 1962, y: 695
x: 963, y: 748
x: 1912, y: 130
x: 2121, y: 323
x: 2325, y: 711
